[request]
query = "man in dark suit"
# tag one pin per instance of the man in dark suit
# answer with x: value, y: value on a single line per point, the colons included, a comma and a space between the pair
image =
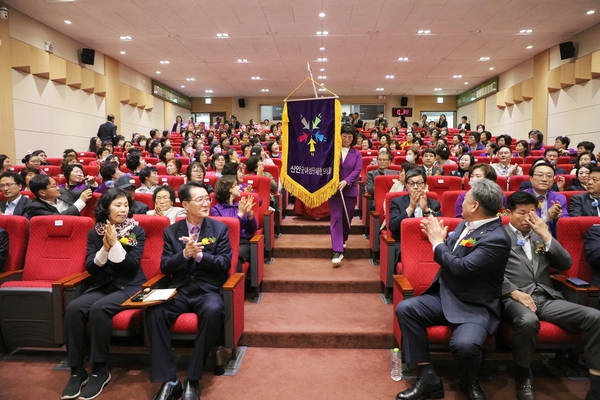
x: 415, y: 205
x: 551, y: 205
x: 3, y: 248
x: 127, y: 183
x: 15, y: 203
x: 357, y: 122
x: 592, y: 252
x: 50, y: 200
x: 108, y: 130
x: 198, y: 272
x: 551, y: 155
x: 465, y: 293
x: 528, y: 296
x: 428, y: 158
x: 586, y: 204
x: 464, y: 124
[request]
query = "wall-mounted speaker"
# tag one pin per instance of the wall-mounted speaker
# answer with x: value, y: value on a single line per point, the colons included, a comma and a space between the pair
x: 567, y: 50
x: 241, y: 103
x: 403, y: 101
x: 87, y: 56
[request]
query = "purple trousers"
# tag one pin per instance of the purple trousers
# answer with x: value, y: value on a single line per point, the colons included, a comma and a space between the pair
x: 338, y: 223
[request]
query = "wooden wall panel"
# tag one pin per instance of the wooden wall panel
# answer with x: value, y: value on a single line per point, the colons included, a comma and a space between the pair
x: 88, y: 80
x: 20, y: 56
x: 149, y: 102
x: 500, y: 99
x: 40, y: 62
x: 567, y: 75
x: 554, y: 80
x: 58, y: 69
x: 596, y: 64
x: 583, y: 69
x: 508, y: 96
x: 124, y: 93
x: 73, y: 75
x: 527, y: 89
x: 99, y: 84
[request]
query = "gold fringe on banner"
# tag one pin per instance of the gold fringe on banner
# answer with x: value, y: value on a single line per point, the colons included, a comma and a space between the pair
x: 319, y: 197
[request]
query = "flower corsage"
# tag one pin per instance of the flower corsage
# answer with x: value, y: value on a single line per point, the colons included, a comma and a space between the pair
x: 129, y: 240
x: 208, y: 240
x: 468, y: 242
x: 540, y: 248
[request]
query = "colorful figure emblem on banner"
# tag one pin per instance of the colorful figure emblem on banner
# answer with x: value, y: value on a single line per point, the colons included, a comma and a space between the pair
x: 311, y: 135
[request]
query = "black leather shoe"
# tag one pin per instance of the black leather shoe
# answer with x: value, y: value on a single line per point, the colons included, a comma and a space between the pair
x: 474, y: 391
x: 525, y: 390
x: 191, y: 390
x: 422, y: 390
x: 169, y: 392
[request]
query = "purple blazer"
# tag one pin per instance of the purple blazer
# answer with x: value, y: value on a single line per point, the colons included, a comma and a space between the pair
x: 550, y: 197
x: 350, y: 172
x: 247, y: 227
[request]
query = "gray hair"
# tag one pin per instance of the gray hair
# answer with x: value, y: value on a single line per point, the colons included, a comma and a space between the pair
x: 488, y: 194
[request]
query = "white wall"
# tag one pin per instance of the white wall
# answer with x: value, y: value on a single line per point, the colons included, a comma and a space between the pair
x: 514, y: 120
x: 137, y: 120
x: 53, y: 117
x: 575, y: 112
x: 470, y: 111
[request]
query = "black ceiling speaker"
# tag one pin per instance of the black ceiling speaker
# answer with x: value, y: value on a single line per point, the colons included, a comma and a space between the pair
x: 242, y: 103
x: 403, y: 101
x: 567, y: 50
x: 87, y: 56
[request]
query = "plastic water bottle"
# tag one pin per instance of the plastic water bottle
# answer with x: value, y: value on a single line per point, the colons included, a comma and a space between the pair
x: 396, y: 365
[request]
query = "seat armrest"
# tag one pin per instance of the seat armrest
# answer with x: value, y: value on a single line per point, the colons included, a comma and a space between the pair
x: 74, y: 280
x: 11, y: 276
x: 573, y: 293
x: 403, y: 284
x: 233, y: 282
x: 257, y: 261
x: 388, y: 240
x: 157, y: 280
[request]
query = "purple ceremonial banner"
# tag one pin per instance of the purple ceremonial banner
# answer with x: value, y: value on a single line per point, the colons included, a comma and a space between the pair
x: 311, y: 142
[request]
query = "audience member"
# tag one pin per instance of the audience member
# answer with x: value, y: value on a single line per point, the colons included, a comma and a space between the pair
x: 592, y: 252
x: 167, y: 153
x: 5, y: 163
x: 551, y: 156
x: 528, y: 295
x: 14, y: 203
x: 582, y: 174
x: 586, y: 204
x: 50, y: 200
x: 442, y: 156
x: 562, y: 144
x: 109, y: 172
x: 477, y: 171
x: 583, y: 158
x: 255, y: 167
x: 95, y: 144
x: 551, y: 205
x: 383, y: 162
x: 428, y: 158
x: 114, y: 253
x: 536, y: 140
x: 464, y: 124
x: 164, y: 198
x: 414, y: 205
x: 197, y: 256
x: 32, y: 162
x: 174, y: 167
x: 127, y: 183
x: 503, y: 140
x: 522, y: 149
x: 503, y: 167
x: 76, y: 179
x: 148, y: 179
x: 26, y: 175
x: 474, y: 143
x: 465, y: 294
x: 108, y: 130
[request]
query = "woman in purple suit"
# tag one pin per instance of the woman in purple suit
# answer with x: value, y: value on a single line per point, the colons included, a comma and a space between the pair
x: 350, y: 168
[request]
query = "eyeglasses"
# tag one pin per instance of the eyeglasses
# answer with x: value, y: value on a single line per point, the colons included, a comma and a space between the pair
x: 202, y: 200
x: 166, y: 198
x: 415, y: 184
x: 53, y: 186
x: 7, y: 185
x: 542, y: 176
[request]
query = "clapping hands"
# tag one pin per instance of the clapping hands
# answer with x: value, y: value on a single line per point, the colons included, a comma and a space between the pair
x: 245, y: 207
x: 110, y: 236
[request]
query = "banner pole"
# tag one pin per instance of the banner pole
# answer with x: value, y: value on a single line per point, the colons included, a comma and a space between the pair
x: 345, y: 208
x: 311, y: 78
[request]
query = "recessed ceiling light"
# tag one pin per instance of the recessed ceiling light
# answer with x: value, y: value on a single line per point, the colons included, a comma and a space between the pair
x: 222, y: 34
x: 379, y: 89
x: 491, y: 68
x: 322, y: 77
x: 208, y: 91
x: 122, y: 52
x: 466, y: 83
x: 321, y: 15
x: 484, y: 59
x: 322, y: 90
x: 127, y: 38
x: 321, y: 48
x: 526, y: 31
x: 158, y: 72
x: 423, y: 32
x: 255, y: 77
x: 182, y: 86
x: 590, y: 12
x: 164, y: 62
x: 457, y: 76
x: 323, y: 33
x: 322, y: 69
x: 403, y: 59
x: 389, y: 77
x: 530, y: 47
x: 264, y: 90
x: 321, y: 59
x: 437, y: 89
x: 242, y: 60
x: 68, y: 22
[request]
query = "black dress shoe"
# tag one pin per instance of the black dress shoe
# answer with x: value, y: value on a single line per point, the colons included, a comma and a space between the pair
x: 191, y: 390
x: 474, y: 391
x: 422, y: 390
x: 525, y: 390
x: 169, y: 392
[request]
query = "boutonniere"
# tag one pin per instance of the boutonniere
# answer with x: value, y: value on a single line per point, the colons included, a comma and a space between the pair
x: 468, y: 242
x: 595, y: 203
x: 540, y: 248
x: 520, y: 242
x: 502, y: 212
x: 129, y: 240
x: 208, y: 240
x: 451, y: 235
